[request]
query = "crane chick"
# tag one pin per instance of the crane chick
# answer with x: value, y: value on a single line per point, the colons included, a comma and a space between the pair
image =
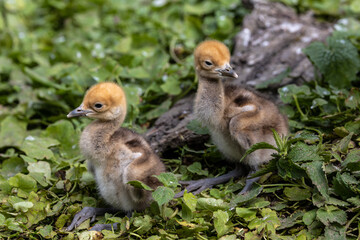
x: 236, y: 117
x: 115, y: 155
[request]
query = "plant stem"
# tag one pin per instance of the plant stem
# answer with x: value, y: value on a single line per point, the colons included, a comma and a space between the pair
x: 4, y: 13
x: 280, y: 185
x: 298, y: 107
x: 351, y: 220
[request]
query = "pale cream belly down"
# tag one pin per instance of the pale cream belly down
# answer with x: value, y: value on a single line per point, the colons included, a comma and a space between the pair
x: 113, y: 190
x: 227, y: 146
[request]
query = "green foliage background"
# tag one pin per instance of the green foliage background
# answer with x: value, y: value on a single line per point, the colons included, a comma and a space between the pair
x: 51, y: 51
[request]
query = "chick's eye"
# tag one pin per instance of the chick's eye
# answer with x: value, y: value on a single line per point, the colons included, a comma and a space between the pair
x: 98, y: 105
x: 208, y: 63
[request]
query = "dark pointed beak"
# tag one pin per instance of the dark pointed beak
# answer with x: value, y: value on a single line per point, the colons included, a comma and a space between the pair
x: 228, y: 72
x: 77, y: 112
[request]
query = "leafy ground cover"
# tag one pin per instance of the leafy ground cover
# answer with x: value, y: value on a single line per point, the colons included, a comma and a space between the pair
x: 52, y: 51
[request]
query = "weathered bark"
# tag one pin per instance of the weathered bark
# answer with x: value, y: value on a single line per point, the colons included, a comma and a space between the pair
x: 270, y: 42
x: 170, y: 131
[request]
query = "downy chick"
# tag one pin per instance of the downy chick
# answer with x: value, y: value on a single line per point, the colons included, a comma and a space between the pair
x: 115, y: 155
x: 236, y: 117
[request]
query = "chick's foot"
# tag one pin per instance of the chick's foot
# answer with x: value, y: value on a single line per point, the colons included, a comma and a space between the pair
x: 249, y: 182
x: 100, y: 227
x: 86, y: 213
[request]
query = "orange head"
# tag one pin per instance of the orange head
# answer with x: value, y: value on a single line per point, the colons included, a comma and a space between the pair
x: 104, y: 101
x: 212, y: 60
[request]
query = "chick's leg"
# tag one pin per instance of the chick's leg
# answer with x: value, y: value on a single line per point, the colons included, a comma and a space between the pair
x: 86, y: 213
x: 197, y: 186
x: 100, y: 227
x: 249, y: 181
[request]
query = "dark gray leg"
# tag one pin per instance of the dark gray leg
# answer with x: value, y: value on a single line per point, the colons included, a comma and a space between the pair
x: 129, y: 214
x: 86, y: 213
x: 100, y: 227
x: 197, y: 186
x: 249, y: 181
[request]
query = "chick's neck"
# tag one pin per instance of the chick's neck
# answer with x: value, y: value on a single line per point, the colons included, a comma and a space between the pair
x: 210, y: 100
x: 104, y: 129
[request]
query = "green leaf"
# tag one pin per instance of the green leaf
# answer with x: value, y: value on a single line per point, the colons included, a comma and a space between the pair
x: 341, y: 187
x: 297, y: 194
x: 62, y: 220
x: 337, y: 202
x: 5, y: 187
x: 186, y: 212
x: 40, y: 167
x: 136, y: 72
x: 123, y: 45
x: 211, y: 204
x: 246, y: 213
x: 196, y: 168
x: 353, y: 127
x: 287, y: 93
x: 40, y: 209
x: 37, y: 77
x: 341, y: 131
x: 335, y: 232
x: 228, y: 237
x: 200, y: 8
x: 318, y: 102
x: 257, y: 146
x: 23, y: 206
x: 23, y: 182
x: 301, y: 152
x: 143, y: 224
x: 139, y: 184
x: 288, y: 169
x: 253, y: 235
x: 47, y: 232
x: 355, y: 6
x: 13, y: 225
x: 156, y: 112
x: 259, y: 203
x: 352, y: 160
x: 190, y: 201
x: 278, y: 140
x: 317, y: 175
x: 355, y: 201
x: 220, y: 222
x: 254, y: 192
x: 37, y: 147
x: 89, y: 235
x: 339, y: 61
x: 344, y: 143
x: 163, y: 195
x: 309, y: 217
x: 68, y: 137
x: 171, y: 86
x: 197, y: 127
x: 2, y: 220
x: 12, y: 166
x: 28, y: 159
x: 331, y: 214
x: 353, y: 100
x: 290, y: 221
x: 168, y: 179
x: 269, y: 221
x: 12, y: 132
x: 306, y: 135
